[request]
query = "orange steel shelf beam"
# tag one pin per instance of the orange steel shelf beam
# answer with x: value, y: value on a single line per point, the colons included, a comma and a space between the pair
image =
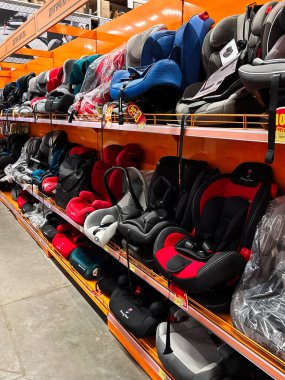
x: 35, y: 52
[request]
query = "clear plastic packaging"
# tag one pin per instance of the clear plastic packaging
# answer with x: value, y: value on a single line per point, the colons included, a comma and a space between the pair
x: 95, y: 90
x: 258, y: 305
x: 38, y: 215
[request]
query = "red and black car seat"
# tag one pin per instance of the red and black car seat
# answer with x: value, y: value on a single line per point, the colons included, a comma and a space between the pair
x: 88, y: 201
x: 212, y: 256
x: 167, y: 200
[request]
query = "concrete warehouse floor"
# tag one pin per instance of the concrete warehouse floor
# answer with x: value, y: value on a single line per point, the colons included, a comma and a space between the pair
x: 48, y: 331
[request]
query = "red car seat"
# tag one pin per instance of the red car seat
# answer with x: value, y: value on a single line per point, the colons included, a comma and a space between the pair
x: 67, y: 239
x: 225, y: 211
x: 113, y: 155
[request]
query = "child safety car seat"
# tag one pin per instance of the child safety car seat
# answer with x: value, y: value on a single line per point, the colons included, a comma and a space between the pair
x: 206, y: 259
x: 172, y: 73
x: 113, y: 155
x: 241, y: 36
x: 141, y: 227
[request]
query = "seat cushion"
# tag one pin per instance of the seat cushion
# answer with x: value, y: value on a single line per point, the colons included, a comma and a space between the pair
x: 194, y: 355
x: 78, y: 208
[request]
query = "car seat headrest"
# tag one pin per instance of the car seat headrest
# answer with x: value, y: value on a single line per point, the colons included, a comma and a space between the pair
x: 129, y: 156
x: 67, y: 69
x: 135, y: 45
x: 110, y: 153
x: 224, y: 31
x: 80, y: 151
x: 251, y: 173
x: 263, y: 12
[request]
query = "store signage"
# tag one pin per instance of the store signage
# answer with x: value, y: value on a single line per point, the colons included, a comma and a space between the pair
x: 280, y: 125
x: 47, y: 16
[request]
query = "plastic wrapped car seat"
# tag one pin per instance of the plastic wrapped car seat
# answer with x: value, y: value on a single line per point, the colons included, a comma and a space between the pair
x: 226, y: 210
x: 257, y: 307
x: 14, y: 148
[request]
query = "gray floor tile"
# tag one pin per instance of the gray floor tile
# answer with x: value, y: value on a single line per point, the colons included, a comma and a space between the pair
x: 8, y: 357
x: 10, y: 376
x: 60, y: 337
x: 24, y: 268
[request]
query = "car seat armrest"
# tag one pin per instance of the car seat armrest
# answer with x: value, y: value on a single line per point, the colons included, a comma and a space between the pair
x: 225, y: 95
x: 228, y: 264
x: 88, y: 196
x: 259, y: 61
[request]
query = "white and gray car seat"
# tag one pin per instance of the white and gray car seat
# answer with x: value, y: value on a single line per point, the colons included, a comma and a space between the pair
x: 231, y: 97
x: 101, y: 225
x: 195, y: 353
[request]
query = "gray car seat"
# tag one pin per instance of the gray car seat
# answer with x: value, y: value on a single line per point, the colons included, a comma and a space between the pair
x: 265, y: 77
x: 230, y: 97
x: 195, y: 353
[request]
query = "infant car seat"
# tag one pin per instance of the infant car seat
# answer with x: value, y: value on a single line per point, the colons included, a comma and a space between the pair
x: 129, y: 155
x: 139, y: 310
x: 225, y: 211
x: 265, y: 77
x: 171, y: 74
x: 101, y: 225
x: 230, y: 97
x: 196, y: 353
x: 257, y: 307
x: 141, y: 227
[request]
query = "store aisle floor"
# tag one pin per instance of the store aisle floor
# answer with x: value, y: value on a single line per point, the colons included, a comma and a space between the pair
x: 48, y: 331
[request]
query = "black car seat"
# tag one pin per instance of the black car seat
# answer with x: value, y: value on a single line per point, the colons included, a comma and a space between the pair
x: 141, y: 227
x: 225, y: 210
x: 51, y: 143
x: 230, y: 97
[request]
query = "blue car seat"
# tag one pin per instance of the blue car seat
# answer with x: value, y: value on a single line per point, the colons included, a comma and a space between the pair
x: 169, y: 60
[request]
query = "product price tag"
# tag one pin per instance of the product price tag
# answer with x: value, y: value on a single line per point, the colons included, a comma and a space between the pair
x: 132, y: 268
x: 162, y: 374
x: 108, y: 115
x: 106, y: 248
x: 136, y: 114
x: 280, y: 125
x: 181, y: 301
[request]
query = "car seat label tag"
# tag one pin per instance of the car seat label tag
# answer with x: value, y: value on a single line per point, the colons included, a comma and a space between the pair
x: 280, y: 125
x: 108, y: 115
x: 216, y: 79
x: 162, y: 374
x: 229, y: 52
x: 136, y: 114
x: 181, y: 301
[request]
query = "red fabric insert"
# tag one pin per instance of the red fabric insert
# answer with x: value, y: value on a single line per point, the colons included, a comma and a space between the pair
x: 224, y: 187
x: 63, y: 245
x: 98, y: 205
x: 173, y: 239
x: 165, y: 254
